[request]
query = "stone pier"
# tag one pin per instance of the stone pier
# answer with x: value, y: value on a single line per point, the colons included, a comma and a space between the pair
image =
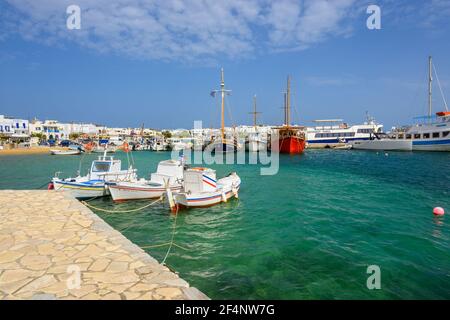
x: 53, y: 247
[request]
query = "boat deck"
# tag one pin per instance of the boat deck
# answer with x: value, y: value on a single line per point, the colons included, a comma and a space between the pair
x: 53, y: 247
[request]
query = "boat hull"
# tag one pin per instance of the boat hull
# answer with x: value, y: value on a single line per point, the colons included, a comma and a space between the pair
x: 130, y: 191
x: 383, y: 144
x: 431, y: 145
x: 81, y: 190
x: 292, y: 145
x: 204, y: 199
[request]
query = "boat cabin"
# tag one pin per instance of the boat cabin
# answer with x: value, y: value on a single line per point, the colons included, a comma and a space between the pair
x: 102, y: 166
x: 197, y: 180
x: 168, y: 171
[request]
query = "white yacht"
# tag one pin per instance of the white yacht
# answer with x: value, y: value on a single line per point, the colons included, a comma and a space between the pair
x: 335, y: 132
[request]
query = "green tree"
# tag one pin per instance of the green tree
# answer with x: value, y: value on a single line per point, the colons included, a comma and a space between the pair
x: 167, y: 134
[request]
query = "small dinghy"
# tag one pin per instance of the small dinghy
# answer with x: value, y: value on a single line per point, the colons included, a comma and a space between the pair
x: 104, y: 169
x: 169, y: 174
x: 55, y: 152
x: 73, y: 150
x: 201, y: 189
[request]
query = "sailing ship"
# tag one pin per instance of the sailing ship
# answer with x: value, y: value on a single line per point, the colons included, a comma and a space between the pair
x: 222, y: 144
x: 291, y: 139
x: 256, y: 141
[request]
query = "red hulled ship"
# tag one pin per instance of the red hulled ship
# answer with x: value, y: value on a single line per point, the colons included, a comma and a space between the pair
x: 291, y: 139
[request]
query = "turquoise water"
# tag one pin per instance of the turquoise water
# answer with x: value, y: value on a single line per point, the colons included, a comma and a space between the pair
x: 308, y: 232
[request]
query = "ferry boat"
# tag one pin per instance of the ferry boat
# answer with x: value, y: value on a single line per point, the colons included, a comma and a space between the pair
x: 255, y: 141
x: 169, y: 174
x: 202, y: 189
x: 222, y: 144
x: 102, y: 170
x: 434, y: 133
x: 332, y: 133
x: 291, y: 139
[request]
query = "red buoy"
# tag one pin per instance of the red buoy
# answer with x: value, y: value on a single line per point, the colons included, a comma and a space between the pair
x: 438, y: 211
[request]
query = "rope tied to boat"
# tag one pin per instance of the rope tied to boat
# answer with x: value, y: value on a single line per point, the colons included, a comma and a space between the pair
x: 120, y: 211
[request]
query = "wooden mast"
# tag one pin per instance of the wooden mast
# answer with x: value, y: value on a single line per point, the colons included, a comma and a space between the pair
x: 288, y: 102
x: 255, y: 113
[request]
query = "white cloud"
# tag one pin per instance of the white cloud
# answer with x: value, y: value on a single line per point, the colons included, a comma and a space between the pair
x: 190, y: 30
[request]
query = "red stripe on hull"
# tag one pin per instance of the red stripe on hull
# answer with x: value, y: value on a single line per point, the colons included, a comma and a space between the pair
x: 291, y: 145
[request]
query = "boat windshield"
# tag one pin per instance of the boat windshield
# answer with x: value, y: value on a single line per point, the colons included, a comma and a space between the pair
x: 100, y: 166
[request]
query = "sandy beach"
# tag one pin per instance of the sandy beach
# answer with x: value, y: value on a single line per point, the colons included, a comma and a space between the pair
x: 31, y: 150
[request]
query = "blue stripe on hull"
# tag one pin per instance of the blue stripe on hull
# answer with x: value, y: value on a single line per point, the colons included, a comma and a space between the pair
x: 431, y: 142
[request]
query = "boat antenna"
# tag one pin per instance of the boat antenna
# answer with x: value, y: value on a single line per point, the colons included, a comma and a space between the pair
x: 255, y: 113
x: 440, y: 88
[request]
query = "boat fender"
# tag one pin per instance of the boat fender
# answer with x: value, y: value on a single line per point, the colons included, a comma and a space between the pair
x: 51, y: 186
x: 224, y: 196
x: 235, y: 191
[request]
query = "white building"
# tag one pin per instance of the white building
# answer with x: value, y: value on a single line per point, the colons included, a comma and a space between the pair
x: 18, y: 128
x: 52, y: 129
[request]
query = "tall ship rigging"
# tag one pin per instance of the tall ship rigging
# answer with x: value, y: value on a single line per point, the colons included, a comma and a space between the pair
x: 291, y: 139
x: 222, y: 144
x: 256, y: 140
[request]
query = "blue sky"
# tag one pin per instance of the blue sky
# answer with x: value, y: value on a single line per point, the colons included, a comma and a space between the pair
x: 155, y: 63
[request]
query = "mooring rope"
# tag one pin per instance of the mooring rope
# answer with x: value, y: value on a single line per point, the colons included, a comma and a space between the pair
x: 173, y: 236
x: 120, y: 211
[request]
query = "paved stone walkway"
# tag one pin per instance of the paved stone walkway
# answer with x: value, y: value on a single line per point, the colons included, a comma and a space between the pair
x: 53, y: 247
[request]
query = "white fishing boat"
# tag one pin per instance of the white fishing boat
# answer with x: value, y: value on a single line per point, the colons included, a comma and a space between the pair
x: 104, y: 169
x: 159, y: 145
x: 178, y: 144
x: 335, y: 132
x: 202, y: 189
x: 169, y: 174
x: 103, y: 148
x: 433, y: 134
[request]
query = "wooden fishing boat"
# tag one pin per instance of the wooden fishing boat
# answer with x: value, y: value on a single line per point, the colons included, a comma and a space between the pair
x: 169, y: 174
x: 202, y: 189
x: 104, y: 169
